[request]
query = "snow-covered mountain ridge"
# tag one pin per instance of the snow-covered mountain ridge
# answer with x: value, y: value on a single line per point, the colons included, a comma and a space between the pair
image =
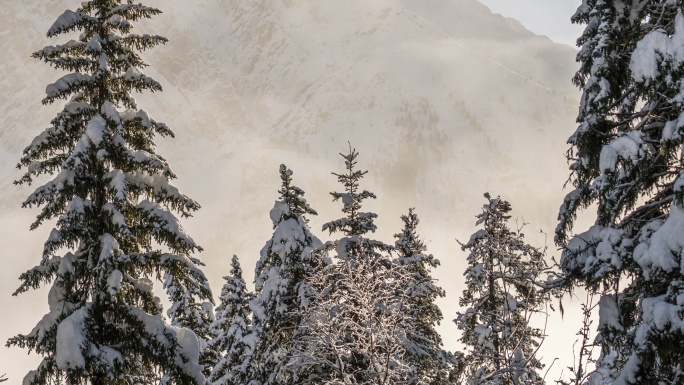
x: 443, y: 99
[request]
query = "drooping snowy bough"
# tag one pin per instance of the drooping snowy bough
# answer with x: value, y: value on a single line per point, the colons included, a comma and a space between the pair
x: 113, y: 203
x: 626, y: 160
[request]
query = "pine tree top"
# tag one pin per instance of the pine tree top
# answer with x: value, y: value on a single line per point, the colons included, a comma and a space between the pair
x: 235, y: 339
x: 408, y: 241
x: 495, y: 211
x: 410, y: 247
x: 234, y: 289
x: 355, y: 222
x: 292, y: 204
x: 235, y: 269
x: 233, y: 304
x: 292, y: 243
x: 501, y: 255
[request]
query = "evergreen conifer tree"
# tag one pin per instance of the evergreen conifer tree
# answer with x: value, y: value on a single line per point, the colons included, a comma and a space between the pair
x: 626, y: 161
x: 500, y: 297
x: 282, y: 292
x: 355, y: 224
x: 112, y: 200
x: 188, y: 312
x: 235, y: 339
x: 424, y: 353
x: 354, y: 331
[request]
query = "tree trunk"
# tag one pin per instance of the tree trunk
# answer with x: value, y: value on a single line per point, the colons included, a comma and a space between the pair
x: 493, y: 310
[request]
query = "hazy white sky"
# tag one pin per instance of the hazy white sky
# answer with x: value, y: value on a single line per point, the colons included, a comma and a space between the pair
x: 544, y: 17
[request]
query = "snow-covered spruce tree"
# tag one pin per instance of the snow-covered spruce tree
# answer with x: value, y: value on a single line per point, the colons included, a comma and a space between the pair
x: 233, y: 329
x: 499, y: 300
x: 112, y: 200
x: 424, y: 353
x: 355, y: 224
x: 626, y: 161
x: 188, y: 311
x: 281, y: 289
x: 354, y: 331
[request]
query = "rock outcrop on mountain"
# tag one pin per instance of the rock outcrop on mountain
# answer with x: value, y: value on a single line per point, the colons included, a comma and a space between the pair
x: 443, y: 99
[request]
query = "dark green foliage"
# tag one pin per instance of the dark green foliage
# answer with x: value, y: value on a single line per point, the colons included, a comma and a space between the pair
x: 430, y: 364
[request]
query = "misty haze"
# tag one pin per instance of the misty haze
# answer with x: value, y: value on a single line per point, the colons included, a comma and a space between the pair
x: 443, y: 100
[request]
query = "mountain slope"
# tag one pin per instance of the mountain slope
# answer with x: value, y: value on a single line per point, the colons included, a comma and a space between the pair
x: 444, y: 102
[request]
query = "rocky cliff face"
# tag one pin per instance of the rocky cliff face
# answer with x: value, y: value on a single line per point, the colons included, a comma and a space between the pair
x: 444, y: 100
